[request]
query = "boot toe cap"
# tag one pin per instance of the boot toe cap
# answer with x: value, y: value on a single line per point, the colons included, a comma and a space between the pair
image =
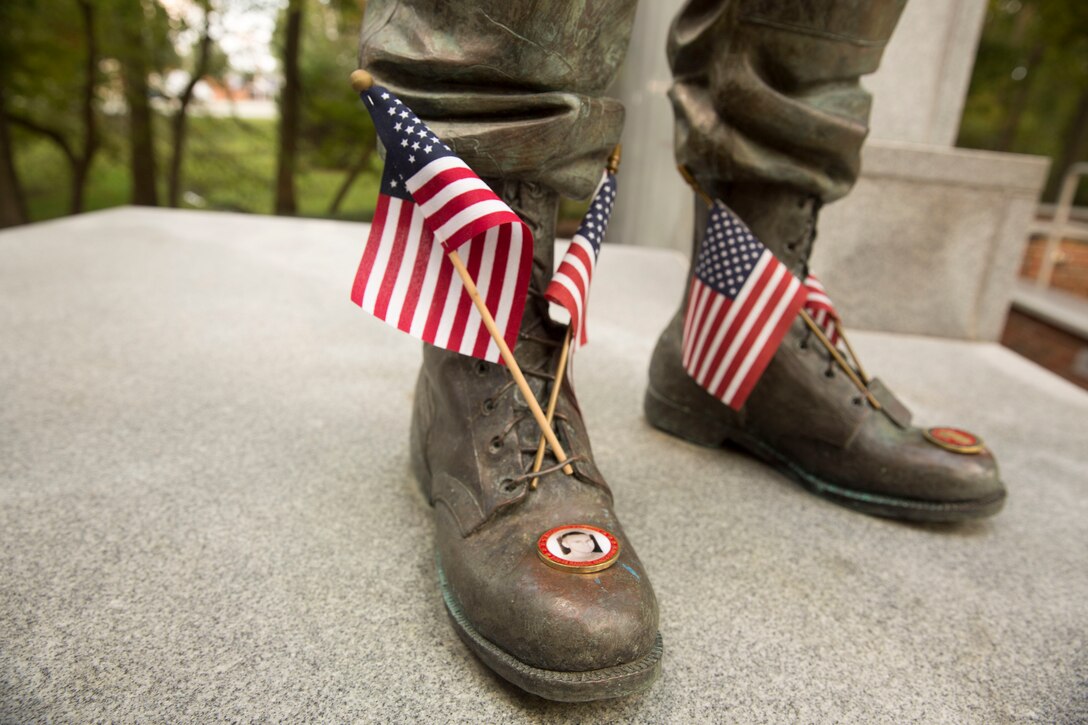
x: 902, y: 475
x: 552, y: 619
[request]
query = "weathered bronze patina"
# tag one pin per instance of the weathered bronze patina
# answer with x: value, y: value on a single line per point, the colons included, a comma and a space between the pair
x: 516, y: 89
x: 770, y: 118
x: 809, y: 420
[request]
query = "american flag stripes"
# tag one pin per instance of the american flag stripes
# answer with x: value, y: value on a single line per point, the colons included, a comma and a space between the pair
x: 822, y: 310
x: 741, y: 303
x: 431, y: 203
x: 570, y: 284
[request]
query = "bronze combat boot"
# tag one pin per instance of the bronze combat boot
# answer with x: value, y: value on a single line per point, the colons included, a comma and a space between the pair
x: 807, y: 418
x: 540, y: 580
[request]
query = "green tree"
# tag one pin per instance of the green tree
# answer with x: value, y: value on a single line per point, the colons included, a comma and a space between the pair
x: 204, y: 59
x: 1029, y: 90
x: 48, y: 80
x: 335, y: 128
x: 140, y: 42
x: 290, y: 109
x: 322, y: 123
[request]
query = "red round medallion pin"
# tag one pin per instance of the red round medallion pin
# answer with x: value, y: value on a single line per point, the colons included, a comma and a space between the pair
x: 578, y: 547
x: 954, y: 439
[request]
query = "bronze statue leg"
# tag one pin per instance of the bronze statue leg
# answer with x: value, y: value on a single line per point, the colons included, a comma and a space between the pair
x: 770, y: 118
x: 516, y: 87
x: 768, y: 91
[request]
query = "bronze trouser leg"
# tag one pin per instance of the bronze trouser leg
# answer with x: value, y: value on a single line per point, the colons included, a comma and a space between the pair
x: 515, y: 87
x: 767, y: 90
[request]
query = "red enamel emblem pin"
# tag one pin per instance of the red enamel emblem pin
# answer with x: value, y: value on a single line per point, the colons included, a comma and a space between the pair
x: 578, y: 547
x: 954, y: 439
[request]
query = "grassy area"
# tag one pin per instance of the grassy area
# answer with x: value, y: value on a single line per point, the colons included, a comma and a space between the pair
x: 230, y: 165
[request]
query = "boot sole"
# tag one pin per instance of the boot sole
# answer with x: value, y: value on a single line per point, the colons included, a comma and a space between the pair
x: 681, y: 422
x: 609, y: 682
x: 618, y: 681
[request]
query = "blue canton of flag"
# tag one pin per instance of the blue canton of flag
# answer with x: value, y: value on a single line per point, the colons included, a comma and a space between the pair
x: 406, y: 138
x: 741, y: 303
x: 570, y: 284
x: 457, y: 205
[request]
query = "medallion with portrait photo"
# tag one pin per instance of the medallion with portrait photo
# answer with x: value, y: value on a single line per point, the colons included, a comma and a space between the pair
x: 578, y: 547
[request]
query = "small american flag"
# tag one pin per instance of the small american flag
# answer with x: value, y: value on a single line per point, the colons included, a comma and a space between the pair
x: 431, y: 203
x: 822, y: 309
x: 741, y: 303
x: 570, y: 284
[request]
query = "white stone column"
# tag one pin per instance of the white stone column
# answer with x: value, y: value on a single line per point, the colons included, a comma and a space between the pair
x: 654, y: 207
x: 920, y: 88
x: 940, y: 231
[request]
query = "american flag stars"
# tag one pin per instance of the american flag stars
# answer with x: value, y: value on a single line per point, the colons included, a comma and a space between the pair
x: 730, y: 255
x: 570, y: 284
x: 407, y: 132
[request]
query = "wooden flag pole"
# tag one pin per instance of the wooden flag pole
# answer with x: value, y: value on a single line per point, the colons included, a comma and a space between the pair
x: 839, y: 358
x: 511, y: 363
x: 853, y: 355
x: 362, y: 81
x: 613, y: 167
x: 695, y: 185
x: 553, y: 399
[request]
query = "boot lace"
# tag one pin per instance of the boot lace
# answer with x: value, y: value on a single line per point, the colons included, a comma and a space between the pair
x: 535, y: 366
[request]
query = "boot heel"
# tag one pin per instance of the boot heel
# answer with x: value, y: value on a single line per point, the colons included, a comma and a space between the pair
x: 680, y: 421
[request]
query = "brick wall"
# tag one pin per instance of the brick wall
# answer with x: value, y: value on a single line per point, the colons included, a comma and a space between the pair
x: 1070, y: 270
x: 1054, y: 349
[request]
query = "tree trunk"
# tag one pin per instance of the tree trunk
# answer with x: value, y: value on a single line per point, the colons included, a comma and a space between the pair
x: 289, y: 113
x: 12, y: 198
x: 50, y: 133
x: 79, y: 162
x: 81, y: 165
x: 141, y: 135
x: 1018, y: 101
x: 349, y: 179
x: 180, y: 122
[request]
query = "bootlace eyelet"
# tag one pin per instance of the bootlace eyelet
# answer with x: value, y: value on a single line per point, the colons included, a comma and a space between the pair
x: 829, y: 373
x: 496, y: 444
x: 488, y: 406
x: 803, y: 344
x: 481, y: 368
x: 858, y: 400
x: 509, y: 485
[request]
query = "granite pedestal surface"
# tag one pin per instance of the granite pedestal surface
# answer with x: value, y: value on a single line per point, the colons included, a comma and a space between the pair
x: 206, y: 511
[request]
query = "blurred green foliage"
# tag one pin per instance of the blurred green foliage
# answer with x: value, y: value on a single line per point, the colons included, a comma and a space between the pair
x: 1029, y: 94
x: 228, y: 167
x: 1029, y: 90
x: 335, y: 125
x: 229, y: 163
